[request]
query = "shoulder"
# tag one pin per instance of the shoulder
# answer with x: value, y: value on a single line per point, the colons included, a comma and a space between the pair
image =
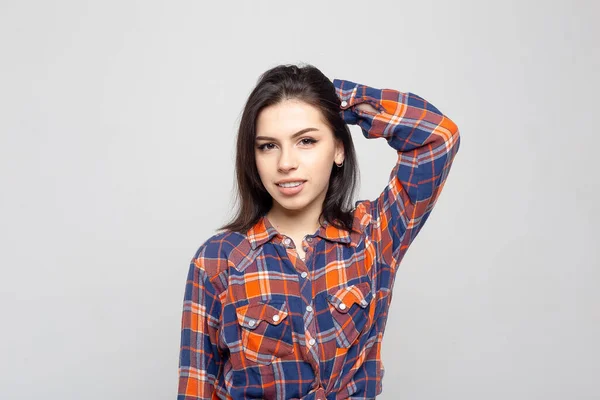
x: 217, y: 252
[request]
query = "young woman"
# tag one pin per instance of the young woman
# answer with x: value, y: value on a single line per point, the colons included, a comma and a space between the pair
x: 290, y: 300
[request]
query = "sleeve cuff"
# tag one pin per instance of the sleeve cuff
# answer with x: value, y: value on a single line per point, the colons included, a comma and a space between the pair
x: 347, y: 93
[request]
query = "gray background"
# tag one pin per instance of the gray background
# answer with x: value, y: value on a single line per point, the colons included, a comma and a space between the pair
x: 118, y: 121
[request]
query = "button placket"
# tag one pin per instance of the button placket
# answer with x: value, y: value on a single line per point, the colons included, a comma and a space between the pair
x: 306, y: 247
x: 310, y: 349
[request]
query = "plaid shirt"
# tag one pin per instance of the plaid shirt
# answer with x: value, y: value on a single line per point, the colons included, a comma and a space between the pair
x: 259, y: 322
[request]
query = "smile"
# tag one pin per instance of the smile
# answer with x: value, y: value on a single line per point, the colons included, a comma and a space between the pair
x: 290, y: 184
x: 290, y: 188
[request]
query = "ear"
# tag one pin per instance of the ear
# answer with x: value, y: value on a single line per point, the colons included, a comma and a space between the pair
x: 339, y: 151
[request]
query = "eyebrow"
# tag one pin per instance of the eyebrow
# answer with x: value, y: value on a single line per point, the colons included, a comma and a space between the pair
x: 293, y: 136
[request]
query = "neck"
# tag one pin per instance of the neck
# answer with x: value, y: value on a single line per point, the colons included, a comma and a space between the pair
x: 294, y: 222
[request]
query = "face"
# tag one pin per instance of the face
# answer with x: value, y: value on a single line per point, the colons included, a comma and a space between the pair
x: 293, y: 143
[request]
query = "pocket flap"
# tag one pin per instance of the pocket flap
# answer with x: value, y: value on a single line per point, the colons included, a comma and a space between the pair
x: 344, y: 298
x: 251, y: 315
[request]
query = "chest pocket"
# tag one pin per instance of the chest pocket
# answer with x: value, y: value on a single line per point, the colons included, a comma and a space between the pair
x: 266, y: 331
x: 348, y: 307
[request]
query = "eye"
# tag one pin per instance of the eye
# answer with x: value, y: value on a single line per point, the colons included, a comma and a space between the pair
x: 308, y: 141
x: 266, y: 146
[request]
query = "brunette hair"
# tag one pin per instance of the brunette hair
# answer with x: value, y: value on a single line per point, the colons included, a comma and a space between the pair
x: 308, y: 84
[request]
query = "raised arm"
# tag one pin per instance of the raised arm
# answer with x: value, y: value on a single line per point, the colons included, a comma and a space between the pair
x: 426, y: 142
x: 200, y: 363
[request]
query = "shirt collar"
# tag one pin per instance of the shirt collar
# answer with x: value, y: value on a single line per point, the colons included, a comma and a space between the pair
x: 263, y: 231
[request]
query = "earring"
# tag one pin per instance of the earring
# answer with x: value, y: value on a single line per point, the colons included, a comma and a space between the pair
x: 340, y: 165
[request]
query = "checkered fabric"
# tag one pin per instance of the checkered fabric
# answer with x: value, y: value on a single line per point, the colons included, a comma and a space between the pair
x: 261, y: 323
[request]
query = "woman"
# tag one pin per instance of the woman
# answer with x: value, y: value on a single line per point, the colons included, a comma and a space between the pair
x: 290, y: 300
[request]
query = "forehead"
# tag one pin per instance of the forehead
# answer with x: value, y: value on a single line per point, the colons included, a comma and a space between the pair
x: 287, y: 117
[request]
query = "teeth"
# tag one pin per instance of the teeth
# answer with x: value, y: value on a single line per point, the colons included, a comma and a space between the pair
x: 290, y: 184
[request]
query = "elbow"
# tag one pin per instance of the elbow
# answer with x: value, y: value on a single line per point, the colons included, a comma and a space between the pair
x: 453, y: 136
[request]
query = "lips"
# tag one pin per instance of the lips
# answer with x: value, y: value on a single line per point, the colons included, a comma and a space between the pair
x: 296, y: 183
x: 289, y: 191
x: 290, y: 181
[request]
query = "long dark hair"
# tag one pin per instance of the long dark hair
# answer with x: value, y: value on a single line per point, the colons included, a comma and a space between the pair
x: 308, y: 84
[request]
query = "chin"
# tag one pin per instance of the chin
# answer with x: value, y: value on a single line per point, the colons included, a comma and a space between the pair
x: 291, y: 204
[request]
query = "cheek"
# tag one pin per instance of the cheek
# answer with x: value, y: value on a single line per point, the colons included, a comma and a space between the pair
x: 320, y: 168
x: 266, y: 169
x: 260, y: 166
x: 319, y: 160
x: 261, y: 161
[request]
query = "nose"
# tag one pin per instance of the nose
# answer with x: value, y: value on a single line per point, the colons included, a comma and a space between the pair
x: 287, y: 160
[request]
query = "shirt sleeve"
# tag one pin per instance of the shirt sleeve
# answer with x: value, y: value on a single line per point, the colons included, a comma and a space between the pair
x: 200, y: 362
x: 426, y: 142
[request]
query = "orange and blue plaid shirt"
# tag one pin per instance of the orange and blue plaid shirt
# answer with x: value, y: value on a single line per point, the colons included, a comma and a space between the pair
x: 261, y: 323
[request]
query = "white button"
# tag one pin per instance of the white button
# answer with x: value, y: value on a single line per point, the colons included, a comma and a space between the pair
x: 275, y: 317
x: 286, y: 241
x: 311, y: 342
x: 251, y: 322
x: 304, y: 274
x: 309, y: 239
x: 342, y: 306
x: 308, y: 308
x: 344, y: 103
